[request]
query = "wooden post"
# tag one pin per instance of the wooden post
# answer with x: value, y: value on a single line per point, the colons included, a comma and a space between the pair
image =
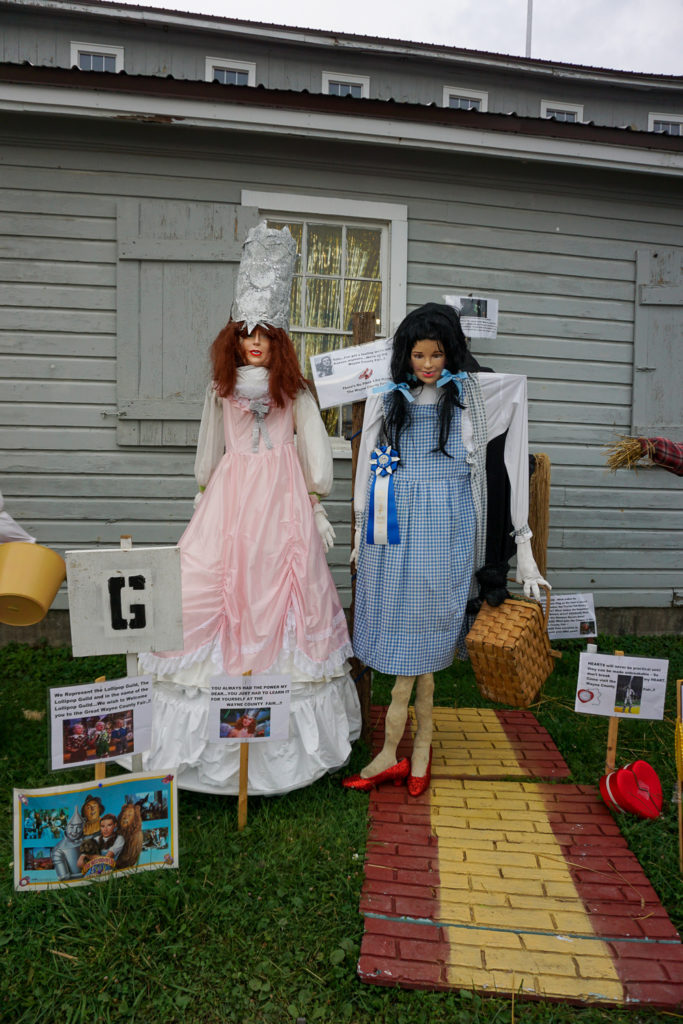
x: 679, y: 773
x: 612, y: 731
x: 126, y: 542
x: 363, y: 332
x: 244, y: 781
x: 100, y: 769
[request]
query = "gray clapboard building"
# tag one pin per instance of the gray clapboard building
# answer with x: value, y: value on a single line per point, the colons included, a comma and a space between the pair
x: 139, y: 145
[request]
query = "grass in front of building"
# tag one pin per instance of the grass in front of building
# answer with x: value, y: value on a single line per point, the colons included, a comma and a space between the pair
x: 263, y: 926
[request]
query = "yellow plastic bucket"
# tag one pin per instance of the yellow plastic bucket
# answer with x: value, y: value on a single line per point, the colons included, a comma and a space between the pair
x: 30, y: 576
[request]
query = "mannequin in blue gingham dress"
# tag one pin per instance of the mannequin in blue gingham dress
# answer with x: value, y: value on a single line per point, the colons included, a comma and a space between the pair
x: 411, y: 594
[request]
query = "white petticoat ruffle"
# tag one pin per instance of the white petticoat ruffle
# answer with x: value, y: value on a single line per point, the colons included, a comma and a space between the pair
x: 324, y: 720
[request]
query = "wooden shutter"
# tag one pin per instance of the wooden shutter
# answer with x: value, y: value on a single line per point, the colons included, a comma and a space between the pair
x: 657, y: 409
x: 176, y: 268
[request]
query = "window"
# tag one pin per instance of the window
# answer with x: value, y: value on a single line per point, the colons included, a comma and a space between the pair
x: 357, y: 86
x: 458, y: 98
x: 665, y: 124
x: 353, y: 259
x: 229, y: 72
x: 95, y: 57
x: 569, y: 112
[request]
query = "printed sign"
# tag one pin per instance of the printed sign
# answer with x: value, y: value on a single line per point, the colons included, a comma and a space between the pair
x: 100, y: 721
x: 73, y: 835
x: 478, y: 314
x: 350, y: 374
x: 249, y: 708
x: 621, y: 687
x: 572, y: 616
x: 124, y: 601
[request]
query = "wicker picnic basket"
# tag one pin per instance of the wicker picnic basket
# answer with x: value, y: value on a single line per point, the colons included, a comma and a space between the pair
x: 510, y: 650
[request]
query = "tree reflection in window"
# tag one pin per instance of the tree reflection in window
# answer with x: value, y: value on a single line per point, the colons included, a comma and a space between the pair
x: 339, y: 273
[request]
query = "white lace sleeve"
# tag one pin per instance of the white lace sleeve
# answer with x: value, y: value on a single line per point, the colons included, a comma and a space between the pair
x: 372, y: 424
x: 505, y: 397
x: 312, y: 444
x: 211, y: 443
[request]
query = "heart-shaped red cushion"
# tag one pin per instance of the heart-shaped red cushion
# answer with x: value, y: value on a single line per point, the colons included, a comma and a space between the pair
x: 635, y: 788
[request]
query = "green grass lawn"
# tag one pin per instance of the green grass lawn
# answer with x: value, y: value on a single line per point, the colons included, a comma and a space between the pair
x: 263, y: 925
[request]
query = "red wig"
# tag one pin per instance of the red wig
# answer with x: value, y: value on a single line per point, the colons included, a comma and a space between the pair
x: 226, y: 355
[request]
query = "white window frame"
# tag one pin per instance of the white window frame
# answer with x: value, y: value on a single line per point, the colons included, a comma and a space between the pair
x: 105, y: 51
x: 567, y: 108
x: 343, y: 76
x: 280, y: 205
x: 465, y: 93
x: 229, y: 65
x: 673, y: 118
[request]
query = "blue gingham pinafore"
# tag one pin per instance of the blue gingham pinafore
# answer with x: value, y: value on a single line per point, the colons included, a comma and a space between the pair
x: 411, y: 597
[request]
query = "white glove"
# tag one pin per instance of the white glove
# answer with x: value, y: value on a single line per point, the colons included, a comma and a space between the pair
x: 197, y: 498
x: 356, y: 546
x: 325, y: 528
x: 527, y: 571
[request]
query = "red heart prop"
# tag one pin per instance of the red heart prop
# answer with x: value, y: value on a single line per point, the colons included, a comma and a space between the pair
x: 635, y: 788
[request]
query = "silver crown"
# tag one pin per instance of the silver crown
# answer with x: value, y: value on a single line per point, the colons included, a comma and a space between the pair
x: 264, y: 281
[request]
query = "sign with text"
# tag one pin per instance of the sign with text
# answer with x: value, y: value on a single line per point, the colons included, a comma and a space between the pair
x: 100, y: 721
x: 572, y: 616
x: 350, y: 374
x: 124, y: 601
x: 249, y: 708
x: 478, y: 314
x: 621, y: 687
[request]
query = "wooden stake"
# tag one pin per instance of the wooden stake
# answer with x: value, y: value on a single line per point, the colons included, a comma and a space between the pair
x: 679, y: 780
x: 612, y: 731
x: 244, y: 780
x: 100, y: 767
x: 363, y: 331
x: 126, y: 542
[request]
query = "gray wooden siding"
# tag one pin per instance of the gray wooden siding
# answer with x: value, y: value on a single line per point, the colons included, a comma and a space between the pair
x: 152, y: 51
x: 559, y: 253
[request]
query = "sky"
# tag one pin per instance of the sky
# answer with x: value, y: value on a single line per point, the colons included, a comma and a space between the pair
x: 629, y: 35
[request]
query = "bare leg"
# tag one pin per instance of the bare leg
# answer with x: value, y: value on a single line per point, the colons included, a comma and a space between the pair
x: 393, y: 728
x: 424, y: 707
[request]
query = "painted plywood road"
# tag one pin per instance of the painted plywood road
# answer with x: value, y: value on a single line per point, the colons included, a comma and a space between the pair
x: 504, y: 886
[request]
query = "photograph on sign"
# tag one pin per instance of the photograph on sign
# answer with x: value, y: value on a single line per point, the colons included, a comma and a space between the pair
x: 77, y: 834
x: 249, y: 708
x: 124, y: 601
x: 621, y: 687
x: 572, y: 616
x: 349, y: 374
x: 478, y: 314
x: 100, y: 721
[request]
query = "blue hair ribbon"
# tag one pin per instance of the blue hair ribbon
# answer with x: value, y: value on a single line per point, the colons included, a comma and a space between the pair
x: 457, y: 379
x: 382, y: 514
x: 385, y: 389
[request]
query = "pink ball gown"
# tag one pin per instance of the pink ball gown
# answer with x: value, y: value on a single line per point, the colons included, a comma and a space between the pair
x: 257, y: 596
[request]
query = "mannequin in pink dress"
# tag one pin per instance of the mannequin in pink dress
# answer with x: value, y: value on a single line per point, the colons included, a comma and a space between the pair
x: 257, y: 593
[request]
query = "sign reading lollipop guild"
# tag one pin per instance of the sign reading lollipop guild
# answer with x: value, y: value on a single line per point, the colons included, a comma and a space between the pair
x: 124, y: 601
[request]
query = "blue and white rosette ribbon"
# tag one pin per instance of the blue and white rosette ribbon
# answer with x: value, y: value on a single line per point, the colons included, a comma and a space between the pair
x: 382, y: 514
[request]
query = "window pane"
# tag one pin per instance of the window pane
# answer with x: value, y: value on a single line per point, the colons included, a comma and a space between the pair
x: 361, y: 297
x: 464, y: 102
x: 362, y: 252
x: 295, y: 302
x: 324, y: 249
x: 84, y: 62
x: 322, y: 302
x: 110, y: 63
x: 318, y: 344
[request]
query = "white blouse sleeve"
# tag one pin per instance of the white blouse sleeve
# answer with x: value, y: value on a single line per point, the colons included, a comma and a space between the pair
x: 505, y: 398
x: 211, y: 443
x: 372, y: 424
x: 312, y: 444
